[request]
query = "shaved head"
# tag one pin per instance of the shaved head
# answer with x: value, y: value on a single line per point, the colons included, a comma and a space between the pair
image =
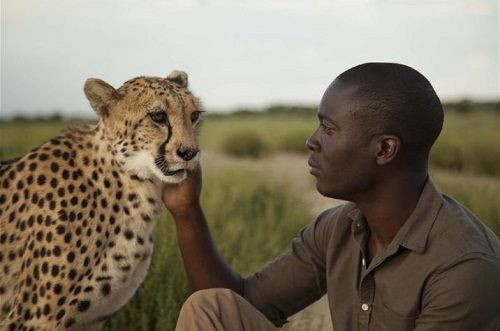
x: 391, y: 98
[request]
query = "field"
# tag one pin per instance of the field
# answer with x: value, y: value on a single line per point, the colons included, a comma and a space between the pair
x: 258, y: 194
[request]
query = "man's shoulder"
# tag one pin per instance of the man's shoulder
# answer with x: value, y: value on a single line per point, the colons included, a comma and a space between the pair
x: 339, y: 213
x: 458, y: 233
x: 333, y: 222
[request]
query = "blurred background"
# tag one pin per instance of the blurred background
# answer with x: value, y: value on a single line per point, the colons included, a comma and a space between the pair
x: 260, y: 68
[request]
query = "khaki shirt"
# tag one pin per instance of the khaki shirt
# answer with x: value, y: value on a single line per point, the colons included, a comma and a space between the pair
x: 440, y: 272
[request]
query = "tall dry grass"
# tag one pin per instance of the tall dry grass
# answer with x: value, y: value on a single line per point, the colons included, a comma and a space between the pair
x: 252, y: 220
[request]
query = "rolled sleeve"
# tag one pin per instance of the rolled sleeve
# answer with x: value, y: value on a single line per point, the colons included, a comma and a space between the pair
x: 463, y: 296
x: 296, y: 278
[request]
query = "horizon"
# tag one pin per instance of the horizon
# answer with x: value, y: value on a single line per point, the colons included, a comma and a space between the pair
x: 450, y: 105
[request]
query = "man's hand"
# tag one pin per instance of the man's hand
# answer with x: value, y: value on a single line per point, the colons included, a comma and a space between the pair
x: 185, y: 196
x: 204, y: 265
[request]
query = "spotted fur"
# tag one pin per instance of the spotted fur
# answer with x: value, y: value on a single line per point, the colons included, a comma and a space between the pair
x: 78, y: 212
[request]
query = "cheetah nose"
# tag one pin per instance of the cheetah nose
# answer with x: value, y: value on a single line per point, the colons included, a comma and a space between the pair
x: 187, y: 153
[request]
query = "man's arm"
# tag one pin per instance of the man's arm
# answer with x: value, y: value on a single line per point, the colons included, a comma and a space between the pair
x: 464, y: 296
x: 284, y: 286
x: 204, y: 265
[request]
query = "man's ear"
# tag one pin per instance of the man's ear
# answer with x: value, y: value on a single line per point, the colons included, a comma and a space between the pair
x: 178, y: 77
x: 101, y: 96
x: 387, y: 147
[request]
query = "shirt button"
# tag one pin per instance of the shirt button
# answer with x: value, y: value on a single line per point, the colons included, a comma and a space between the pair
x: 363, y: 262
x: 364, y: 307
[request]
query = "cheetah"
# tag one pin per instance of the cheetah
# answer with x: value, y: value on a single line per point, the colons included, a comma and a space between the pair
x: 77, y: 213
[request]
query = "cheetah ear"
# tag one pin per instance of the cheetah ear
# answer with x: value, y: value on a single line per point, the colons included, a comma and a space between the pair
x: 101, y: 95
x: 178, y: 77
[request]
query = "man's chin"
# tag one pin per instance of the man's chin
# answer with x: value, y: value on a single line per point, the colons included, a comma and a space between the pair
x: 328, y: 192
x: 321, y: 190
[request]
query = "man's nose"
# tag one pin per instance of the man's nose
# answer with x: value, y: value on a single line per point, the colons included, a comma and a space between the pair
x: 312, y: 143
x: 187, y: 153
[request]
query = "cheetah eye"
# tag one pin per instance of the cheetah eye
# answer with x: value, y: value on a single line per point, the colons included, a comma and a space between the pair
x: 158, y: 117
x: 195, y: 115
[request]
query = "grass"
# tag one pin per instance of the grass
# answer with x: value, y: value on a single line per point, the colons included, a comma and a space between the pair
x: 469, y: 142
x: 18, y: 137
x: 273, y: 130
x: 244, y: 143
x: 252, y: 229
x: 253, y: 219
x: 466, y: 155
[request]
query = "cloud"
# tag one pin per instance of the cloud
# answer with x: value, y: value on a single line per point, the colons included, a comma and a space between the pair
x: 244, y: 52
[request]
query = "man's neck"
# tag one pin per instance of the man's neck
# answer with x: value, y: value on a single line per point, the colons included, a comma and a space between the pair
x: 388, y: 207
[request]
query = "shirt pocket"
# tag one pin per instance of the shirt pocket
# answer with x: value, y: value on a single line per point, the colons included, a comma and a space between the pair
x: 384, y: 318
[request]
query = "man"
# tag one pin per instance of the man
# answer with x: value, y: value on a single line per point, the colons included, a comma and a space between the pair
x: 398, y: 256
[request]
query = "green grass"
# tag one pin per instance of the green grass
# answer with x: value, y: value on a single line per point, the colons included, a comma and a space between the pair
x: 252, y: 220
x: 252, y: 229
x: 469, y: 142
x: 19, y: 137
x: 244, y: 143
x: 274, y: 130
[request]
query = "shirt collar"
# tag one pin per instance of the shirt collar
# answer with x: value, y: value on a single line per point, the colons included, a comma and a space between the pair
x: 415, y: 231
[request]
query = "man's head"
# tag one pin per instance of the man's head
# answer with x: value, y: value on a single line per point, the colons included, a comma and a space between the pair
x: 376, y: 119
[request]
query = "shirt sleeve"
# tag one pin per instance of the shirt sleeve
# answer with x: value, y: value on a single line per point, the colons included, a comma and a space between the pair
x: 463, y: 296
x: 297, y: 277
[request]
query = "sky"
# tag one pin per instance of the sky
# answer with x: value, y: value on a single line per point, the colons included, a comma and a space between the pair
x: 246, y: 53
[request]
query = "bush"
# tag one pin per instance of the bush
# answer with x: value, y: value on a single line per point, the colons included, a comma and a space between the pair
x: 295, y: 140
x: 469, y: 143
x: 447, y: 154
x: 244, y: 143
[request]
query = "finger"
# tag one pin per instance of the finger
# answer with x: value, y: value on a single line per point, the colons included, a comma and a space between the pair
x: 196, y: 172
x: 169, y: 186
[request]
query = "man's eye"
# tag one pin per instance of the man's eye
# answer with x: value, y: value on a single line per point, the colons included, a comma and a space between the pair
x: 195, y: 115
x: 325, y: 128
x: 158, y: 117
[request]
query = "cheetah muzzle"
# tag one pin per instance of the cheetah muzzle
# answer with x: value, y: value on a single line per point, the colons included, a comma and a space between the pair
x: 77, y: 213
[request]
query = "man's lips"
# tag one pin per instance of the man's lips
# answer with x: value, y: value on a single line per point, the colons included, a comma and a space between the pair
x: 313, y: 166
x: 312, y: 163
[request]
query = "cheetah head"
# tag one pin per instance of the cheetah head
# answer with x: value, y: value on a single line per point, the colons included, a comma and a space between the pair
x: 151, y: 124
